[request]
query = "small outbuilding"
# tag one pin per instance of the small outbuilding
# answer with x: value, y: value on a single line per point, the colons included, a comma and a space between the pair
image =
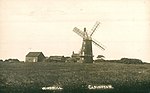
x: 75, y: 57
x: 57, y: 59
x: 35, y: 57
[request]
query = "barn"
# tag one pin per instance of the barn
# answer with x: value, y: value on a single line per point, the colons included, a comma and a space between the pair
x: 55, y: 59
x: 35, y: 57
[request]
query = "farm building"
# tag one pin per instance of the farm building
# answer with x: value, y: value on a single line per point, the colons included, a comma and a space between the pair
x: 35, y: 57
x: 76, y: 57
x: 56, y: 59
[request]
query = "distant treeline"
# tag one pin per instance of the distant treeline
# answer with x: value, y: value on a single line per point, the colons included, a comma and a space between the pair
x: 122, y: 60
x: 10, y: 60
x: 65, y: 59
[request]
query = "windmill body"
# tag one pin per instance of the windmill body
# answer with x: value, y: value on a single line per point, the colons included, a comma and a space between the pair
x: 86, y: 52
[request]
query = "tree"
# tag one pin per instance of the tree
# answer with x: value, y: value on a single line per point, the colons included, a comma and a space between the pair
x: 100, y: 56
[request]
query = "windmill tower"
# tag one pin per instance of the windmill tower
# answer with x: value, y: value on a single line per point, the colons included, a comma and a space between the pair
x: 86, y: 52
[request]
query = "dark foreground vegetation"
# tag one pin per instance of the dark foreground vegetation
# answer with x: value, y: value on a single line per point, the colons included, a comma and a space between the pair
x: 74, y: 77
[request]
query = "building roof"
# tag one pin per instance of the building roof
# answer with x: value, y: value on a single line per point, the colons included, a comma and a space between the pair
x: 34, y: 54
x: 57, y: 58
x: 75, y: 55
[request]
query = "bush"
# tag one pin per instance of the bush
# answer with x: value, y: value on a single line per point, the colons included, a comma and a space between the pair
x: 99, y: 60
x: 11, y: 60
x: 131, y: 61
x: 1, y: 60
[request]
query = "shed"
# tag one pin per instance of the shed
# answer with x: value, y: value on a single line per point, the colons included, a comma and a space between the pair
x: 57, y: 59
x: 76, y: 57
x: 35, y: 57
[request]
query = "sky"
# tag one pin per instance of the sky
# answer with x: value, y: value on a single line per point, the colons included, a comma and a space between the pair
x: 46, y: 26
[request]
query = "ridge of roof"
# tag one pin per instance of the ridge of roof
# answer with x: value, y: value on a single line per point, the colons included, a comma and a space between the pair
x: 33, y: 54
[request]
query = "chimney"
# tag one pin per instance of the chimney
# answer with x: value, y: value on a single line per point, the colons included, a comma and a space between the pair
x: 84, y: 29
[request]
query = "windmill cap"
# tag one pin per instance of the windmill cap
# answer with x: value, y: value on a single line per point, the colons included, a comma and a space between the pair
x: 84, y: 29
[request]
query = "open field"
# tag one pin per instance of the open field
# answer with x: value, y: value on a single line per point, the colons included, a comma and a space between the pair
x: 74, y: 77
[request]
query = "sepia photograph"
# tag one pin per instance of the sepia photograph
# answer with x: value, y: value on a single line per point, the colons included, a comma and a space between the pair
x: 74, y: 46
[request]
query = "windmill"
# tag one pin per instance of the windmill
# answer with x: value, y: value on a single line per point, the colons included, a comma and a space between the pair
x: 86, y: 52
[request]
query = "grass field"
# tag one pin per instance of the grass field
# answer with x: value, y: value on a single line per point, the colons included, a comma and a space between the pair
x: 74, y: 77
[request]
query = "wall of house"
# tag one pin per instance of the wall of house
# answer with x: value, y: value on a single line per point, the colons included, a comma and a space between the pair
x: 41, y: 57
x: 31, y: 59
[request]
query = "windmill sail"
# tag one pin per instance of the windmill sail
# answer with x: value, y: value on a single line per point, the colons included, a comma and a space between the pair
x: 98, y: 44
x: 79, y: 32
x: 94, y: 28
